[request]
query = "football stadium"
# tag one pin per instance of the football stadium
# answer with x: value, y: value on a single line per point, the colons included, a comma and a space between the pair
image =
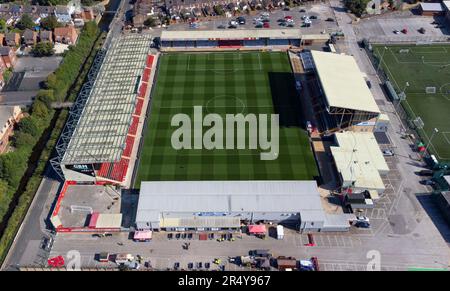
x: 118, y: 141
x: 422, y: 73
x: 225, y: 83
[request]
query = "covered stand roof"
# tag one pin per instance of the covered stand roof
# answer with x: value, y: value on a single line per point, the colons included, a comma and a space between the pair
x: 172, y: 35
x: 343, y: 83
x: 215, y: 197
x: 104, y: 122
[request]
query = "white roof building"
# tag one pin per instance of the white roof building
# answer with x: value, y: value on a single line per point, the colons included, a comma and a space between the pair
x: 222, y: 203
x: 359, y: 161
x: 343, y: 83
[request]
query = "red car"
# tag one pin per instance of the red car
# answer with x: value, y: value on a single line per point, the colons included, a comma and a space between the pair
x: 266, y: 25
x: 288, y: 17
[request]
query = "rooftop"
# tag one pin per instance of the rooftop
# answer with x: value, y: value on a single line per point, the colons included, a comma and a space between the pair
x: 229, y: 34
x: 431, y: 6
x: 229, y: 196
x: 359, y: 159
x: 343, y: 83
x: 103, y: 125
x: 5, y: 113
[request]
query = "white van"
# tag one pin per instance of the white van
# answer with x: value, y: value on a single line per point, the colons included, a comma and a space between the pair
x: 280, y: 232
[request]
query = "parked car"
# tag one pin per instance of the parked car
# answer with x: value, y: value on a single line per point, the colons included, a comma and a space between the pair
x: 190, y: 265
x: 259, y: 25
x: 302, y: 10
x: 362, y: 224
x: 189, y: 235
x: 266, y: 25
x: 207, y: 265
x: 177, y: 236
x: 422, y: 30
x: 211, y: 236
x: 329, y: 19
x: 388, y: 153
x: 240, y: 20
x: 169, y: 235
x: 199, y: 265
x: 313, y: 17
x: 396, y: 31
x: 183, y: 236
x: 369, y: 84
x: 176, y: 266
x: 298, y: 85
x: 425, y: 172
x: 221, y: 26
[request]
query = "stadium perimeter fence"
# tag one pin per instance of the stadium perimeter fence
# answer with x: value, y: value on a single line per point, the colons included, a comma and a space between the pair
x: 406, y: 116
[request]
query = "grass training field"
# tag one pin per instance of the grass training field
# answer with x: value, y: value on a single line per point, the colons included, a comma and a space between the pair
x: 423, y: 66
x: 225, y: 83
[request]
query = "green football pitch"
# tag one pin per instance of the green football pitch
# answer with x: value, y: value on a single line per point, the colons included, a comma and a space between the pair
x: 420, y: 67
x: 225, y: 83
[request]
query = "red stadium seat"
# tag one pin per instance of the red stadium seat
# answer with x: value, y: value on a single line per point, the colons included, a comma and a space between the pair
x: 149, y: 62
x: 134, y: 125
x: 146, y: 75
x: 128, y: 146
x: 139, y: 105
x: 142, y: 90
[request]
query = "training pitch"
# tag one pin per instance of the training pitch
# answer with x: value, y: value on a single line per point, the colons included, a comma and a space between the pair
x: 422, y: 66
x: 225, y: 83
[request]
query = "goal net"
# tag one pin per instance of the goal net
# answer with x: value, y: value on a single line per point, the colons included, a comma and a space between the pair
x: 404, y: 51
x: 430, y: 90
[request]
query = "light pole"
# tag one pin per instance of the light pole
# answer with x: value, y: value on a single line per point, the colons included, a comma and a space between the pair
x: 381, y: 59
x: 435, y: 130
x: 402, y: 95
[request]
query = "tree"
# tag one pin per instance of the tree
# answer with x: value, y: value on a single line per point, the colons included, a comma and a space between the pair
x: 25, y: 22
x: 43, y: 49
x: 358, y: 7
x: 50, y: 22
x: 22, y: 139
x: 46, y: 96
x: 150, y: 22
x: 29, y: 125
x: 11, y: 167
x: 39, y: 109
x: 3, y: 25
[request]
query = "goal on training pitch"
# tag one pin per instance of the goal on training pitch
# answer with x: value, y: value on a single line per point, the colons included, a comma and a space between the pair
x: 403, y: 51
x: 430, y: 90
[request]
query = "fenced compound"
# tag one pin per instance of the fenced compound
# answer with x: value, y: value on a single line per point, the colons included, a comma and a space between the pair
x: 415, y: 77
